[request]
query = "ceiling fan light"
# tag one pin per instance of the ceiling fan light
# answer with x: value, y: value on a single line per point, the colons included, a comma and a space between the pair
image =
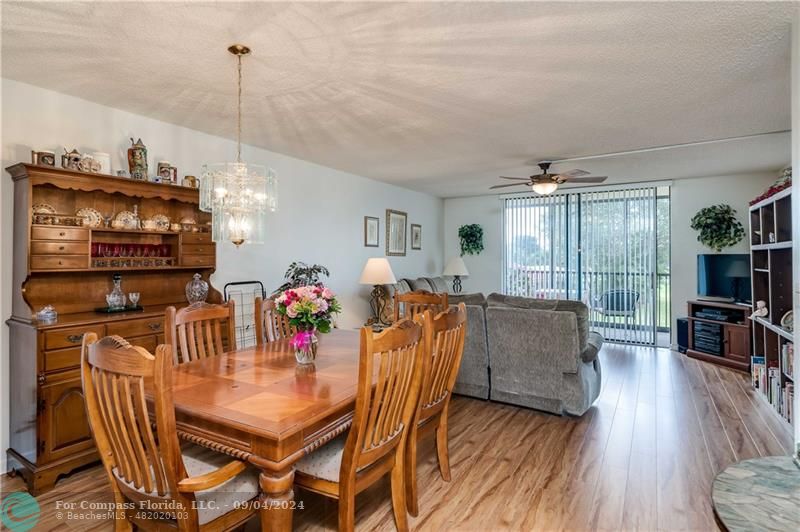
x: 545, y: 188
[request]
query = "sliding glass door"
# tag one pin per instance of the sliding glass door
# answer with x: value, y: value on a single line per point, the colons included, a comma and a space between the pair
x: 608, y: 249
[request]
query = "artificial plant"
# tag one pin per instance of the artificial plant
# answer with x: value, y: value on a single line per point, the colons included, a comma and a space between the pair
x: 302, y: 274
x: 471, y: 237
x: 718, y: 227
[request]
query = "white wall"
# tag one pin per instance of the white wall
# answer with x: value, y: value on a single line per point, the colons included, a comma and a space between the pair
x: 320, y: 218
x: 688, y: 196
x: 796, y: 207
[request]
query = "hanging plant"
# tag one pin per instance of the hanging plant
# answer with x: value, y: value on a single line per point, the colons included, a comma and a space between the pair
x: 471, y: 239
x: 718, y: 227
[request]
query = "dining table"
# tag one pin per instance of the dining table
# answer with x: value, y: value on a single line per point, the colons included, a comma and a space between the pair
x: 257, y: 404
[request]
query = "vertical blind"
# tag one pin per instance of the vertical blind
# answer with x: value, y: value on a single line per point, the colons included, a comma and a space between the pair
x: 597, y: 247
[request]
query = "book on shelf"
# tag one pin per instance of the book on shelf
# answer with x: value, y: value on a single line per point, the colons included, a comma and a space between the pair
x: 787, y: 359
x: 758, y: 372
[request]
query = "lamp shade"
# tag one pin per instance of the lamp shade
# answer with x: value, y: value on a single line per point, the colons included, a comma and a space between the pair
x: 456, y: 266
x: 377, y: 271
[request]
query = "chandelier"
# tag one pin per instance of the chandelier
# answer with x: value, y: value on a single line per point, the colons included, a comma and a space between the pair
x: 238, y: 195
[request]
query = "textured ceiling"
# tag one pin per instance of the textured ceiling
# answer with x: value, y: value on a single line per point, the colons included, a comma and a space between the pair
x: 438, y: 97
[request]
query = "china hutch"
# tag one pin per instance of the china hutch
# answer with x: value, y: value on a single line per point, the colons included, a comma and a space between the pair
x: 69, y: 262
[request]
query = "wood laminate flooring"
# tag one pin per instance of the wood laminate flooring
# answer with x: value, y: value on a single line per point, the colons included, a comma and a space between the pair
x: 642, y: 458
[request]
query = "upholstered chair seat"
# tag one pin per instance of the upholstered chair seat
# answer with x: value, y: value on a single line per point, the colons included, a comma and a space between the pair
x: 325, y: 462
x: 220, y: 499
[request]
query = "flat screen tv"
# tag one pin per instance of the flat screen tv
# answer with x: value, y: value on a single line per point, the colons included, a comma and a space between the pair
x: 724, y: 277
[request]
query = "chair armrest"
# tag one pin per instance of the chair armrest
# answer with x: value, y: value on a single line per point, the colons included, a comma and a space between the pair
x: 213, y: 478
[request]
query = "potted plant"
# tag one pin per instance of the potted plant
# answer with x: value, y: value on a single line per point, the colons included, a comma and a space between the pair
x: 310, y: 310
x: 717, y: 227
x: 471, y: 237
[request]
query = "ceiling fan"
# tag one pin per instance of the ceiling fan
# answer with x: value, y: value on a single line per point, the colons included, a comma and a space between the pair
x: 547, y: 183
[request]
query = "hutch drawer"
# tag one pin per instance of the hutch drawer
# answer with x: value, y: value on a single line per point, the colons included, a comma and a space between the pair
x: 62, y: 359
x: 70, y: 337
x: 196, y: 238
x: 197, y: 260
x: 40, y: 247
x: 139, y: 327
x: 198, y: 249
x: 59, y: 262
x: 59, y: 233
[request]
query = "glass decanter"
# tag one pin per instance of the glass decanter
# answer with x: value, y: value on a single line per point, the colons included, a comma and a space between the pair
x: 116, y: 299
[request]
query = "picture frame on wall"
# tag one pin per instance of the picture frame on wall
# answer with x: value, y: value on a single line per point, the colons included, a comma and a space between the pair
x: 372, y: 226
x: 396, y: 233
x: 416, y: 236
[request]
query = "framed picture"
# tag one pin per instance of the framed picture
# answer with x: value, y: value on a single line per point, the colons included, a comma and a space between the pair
x: 396, y: 233
x: 371, y: 234
x: 416, y: 236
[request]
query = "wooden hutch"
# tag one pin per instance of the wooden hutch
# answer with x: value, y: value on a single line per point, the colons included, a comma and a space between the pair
x: 53, y: 265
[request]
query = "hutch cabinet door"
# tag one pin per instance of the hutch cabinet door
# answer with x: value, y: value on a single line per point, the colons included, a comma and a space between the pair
x: 737, y: 341
x: 63, y: 427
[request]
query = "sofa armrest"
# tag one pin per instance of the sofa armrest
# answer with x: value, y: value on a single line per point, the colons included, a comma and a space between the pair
x: 593, y: 344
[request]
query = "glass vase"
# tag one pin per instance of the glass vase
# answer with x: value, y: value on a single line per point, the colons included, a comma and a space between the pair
x: 305, y: 346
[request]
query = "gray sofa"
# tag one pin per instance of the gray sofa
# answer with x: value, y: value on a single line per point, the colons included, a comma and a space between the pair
x: 530, y: 352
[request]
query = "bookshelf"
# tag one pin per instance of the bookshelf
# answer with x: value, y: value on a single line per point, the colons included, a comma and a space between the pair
x: 771, y: 365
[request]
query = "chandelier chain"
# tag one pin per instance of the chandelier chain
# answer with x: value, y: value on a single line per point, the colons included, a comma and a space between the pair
x: 239, y: 118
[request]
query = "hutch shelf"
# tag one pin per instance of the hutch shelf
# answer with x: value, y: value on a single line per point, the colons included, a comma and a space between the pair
x: 771, y: 262
x: 62, y: 265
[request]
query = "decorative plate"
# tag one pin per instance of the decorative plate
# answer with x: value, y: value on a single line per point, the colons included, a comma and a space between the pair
x: 787, y: 321
x: 91, y: 217
x: 127, y: 218
x: 43, y: 208
x: 162, y: 222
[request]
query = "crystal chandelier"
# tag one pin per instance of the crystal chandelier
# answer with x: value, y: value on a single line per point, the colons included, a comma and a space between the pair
x: 238, y: 195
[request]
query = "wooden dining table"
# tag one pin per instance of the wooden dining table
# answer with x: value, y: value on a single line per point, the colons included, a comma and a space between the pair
x: 258, y: 405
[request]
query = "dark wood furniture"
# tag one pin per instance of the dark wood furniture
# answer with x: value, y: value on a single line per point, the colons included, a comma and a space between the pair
x: 257, y: 405
x: 148, y: 467
x: 389, y: 378
x: 270, y: 325
x: 720, y: 333
x: 417, y: 302
x: 201, y: 330
x: 772, y: 278
x: 52, y: 264
x: 444, y: 346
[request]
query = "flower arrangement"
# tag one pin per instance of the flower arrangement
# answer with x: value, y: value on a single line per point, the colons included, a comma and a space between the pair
x: 310, y: 309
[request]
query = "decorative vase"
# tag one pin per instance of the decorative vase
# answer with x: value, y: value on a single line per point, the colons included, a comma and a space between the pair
x: 305, y: 346
x: 137, y: 160
x: 196, y: 289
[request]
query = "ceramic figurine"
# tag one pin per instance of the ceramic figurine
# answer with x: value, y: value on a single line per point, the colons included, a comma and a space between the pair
x: 137, y: 160
x: 71, y: 160
x: 761, y: 310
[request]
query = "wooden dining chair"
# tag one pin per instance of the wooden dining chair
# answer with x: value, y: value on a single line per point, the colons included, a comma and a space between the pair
x: 194, y: 488
x: 443, y: 350
x: 417, y: 302
x: 196, y: 331
x: 389, y: 379
x: 270, y: 325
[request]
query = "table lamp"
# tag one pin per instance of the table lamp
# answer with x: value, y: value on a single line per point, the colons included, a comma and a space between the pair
x: 377, y: 272
x: 457, y: 269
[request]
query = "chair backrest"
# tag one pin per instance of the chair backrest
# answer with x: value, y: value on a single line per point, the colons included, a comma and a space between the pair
x: 619, y: 300
x: 195, y: 332
x: 389, y: 380
x: 443, y: 350
x: 114, y: 375
x: 414, y: 303
x: 271, y: 325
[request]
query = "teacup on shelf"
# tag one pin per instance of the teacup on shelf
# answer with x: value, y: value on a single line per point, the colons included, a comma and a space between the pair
x: 149, y: 225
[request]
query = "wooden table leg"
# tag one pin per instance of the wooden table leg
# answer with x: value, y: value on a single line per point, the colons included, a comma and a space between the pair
x: 277, y: 500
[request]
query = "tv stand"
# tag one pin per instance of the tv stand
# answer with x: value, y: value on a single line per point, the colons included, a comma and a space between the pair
x: 720, y: 333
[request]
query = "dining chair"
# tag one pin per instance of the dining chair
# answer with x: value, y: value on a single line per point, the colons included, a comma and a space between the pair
x: 190, y: 488
x: 389, y: 379
x: 417, y: 302
x: 443, y: 349
x: 196, y: 331
x: 271, y: 325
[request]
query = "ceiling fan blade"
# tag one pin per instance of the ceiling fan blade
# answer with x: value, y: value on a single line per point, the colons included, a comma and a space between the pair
x: 593, y: 179
x: 574, y: 173
x: 517, y: 178
x: 509, y: 185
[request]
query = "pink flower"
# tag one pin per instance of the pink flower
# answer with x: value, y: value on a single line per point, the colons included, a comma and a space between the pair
x: 327, y: 293
x: 291, y: 310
